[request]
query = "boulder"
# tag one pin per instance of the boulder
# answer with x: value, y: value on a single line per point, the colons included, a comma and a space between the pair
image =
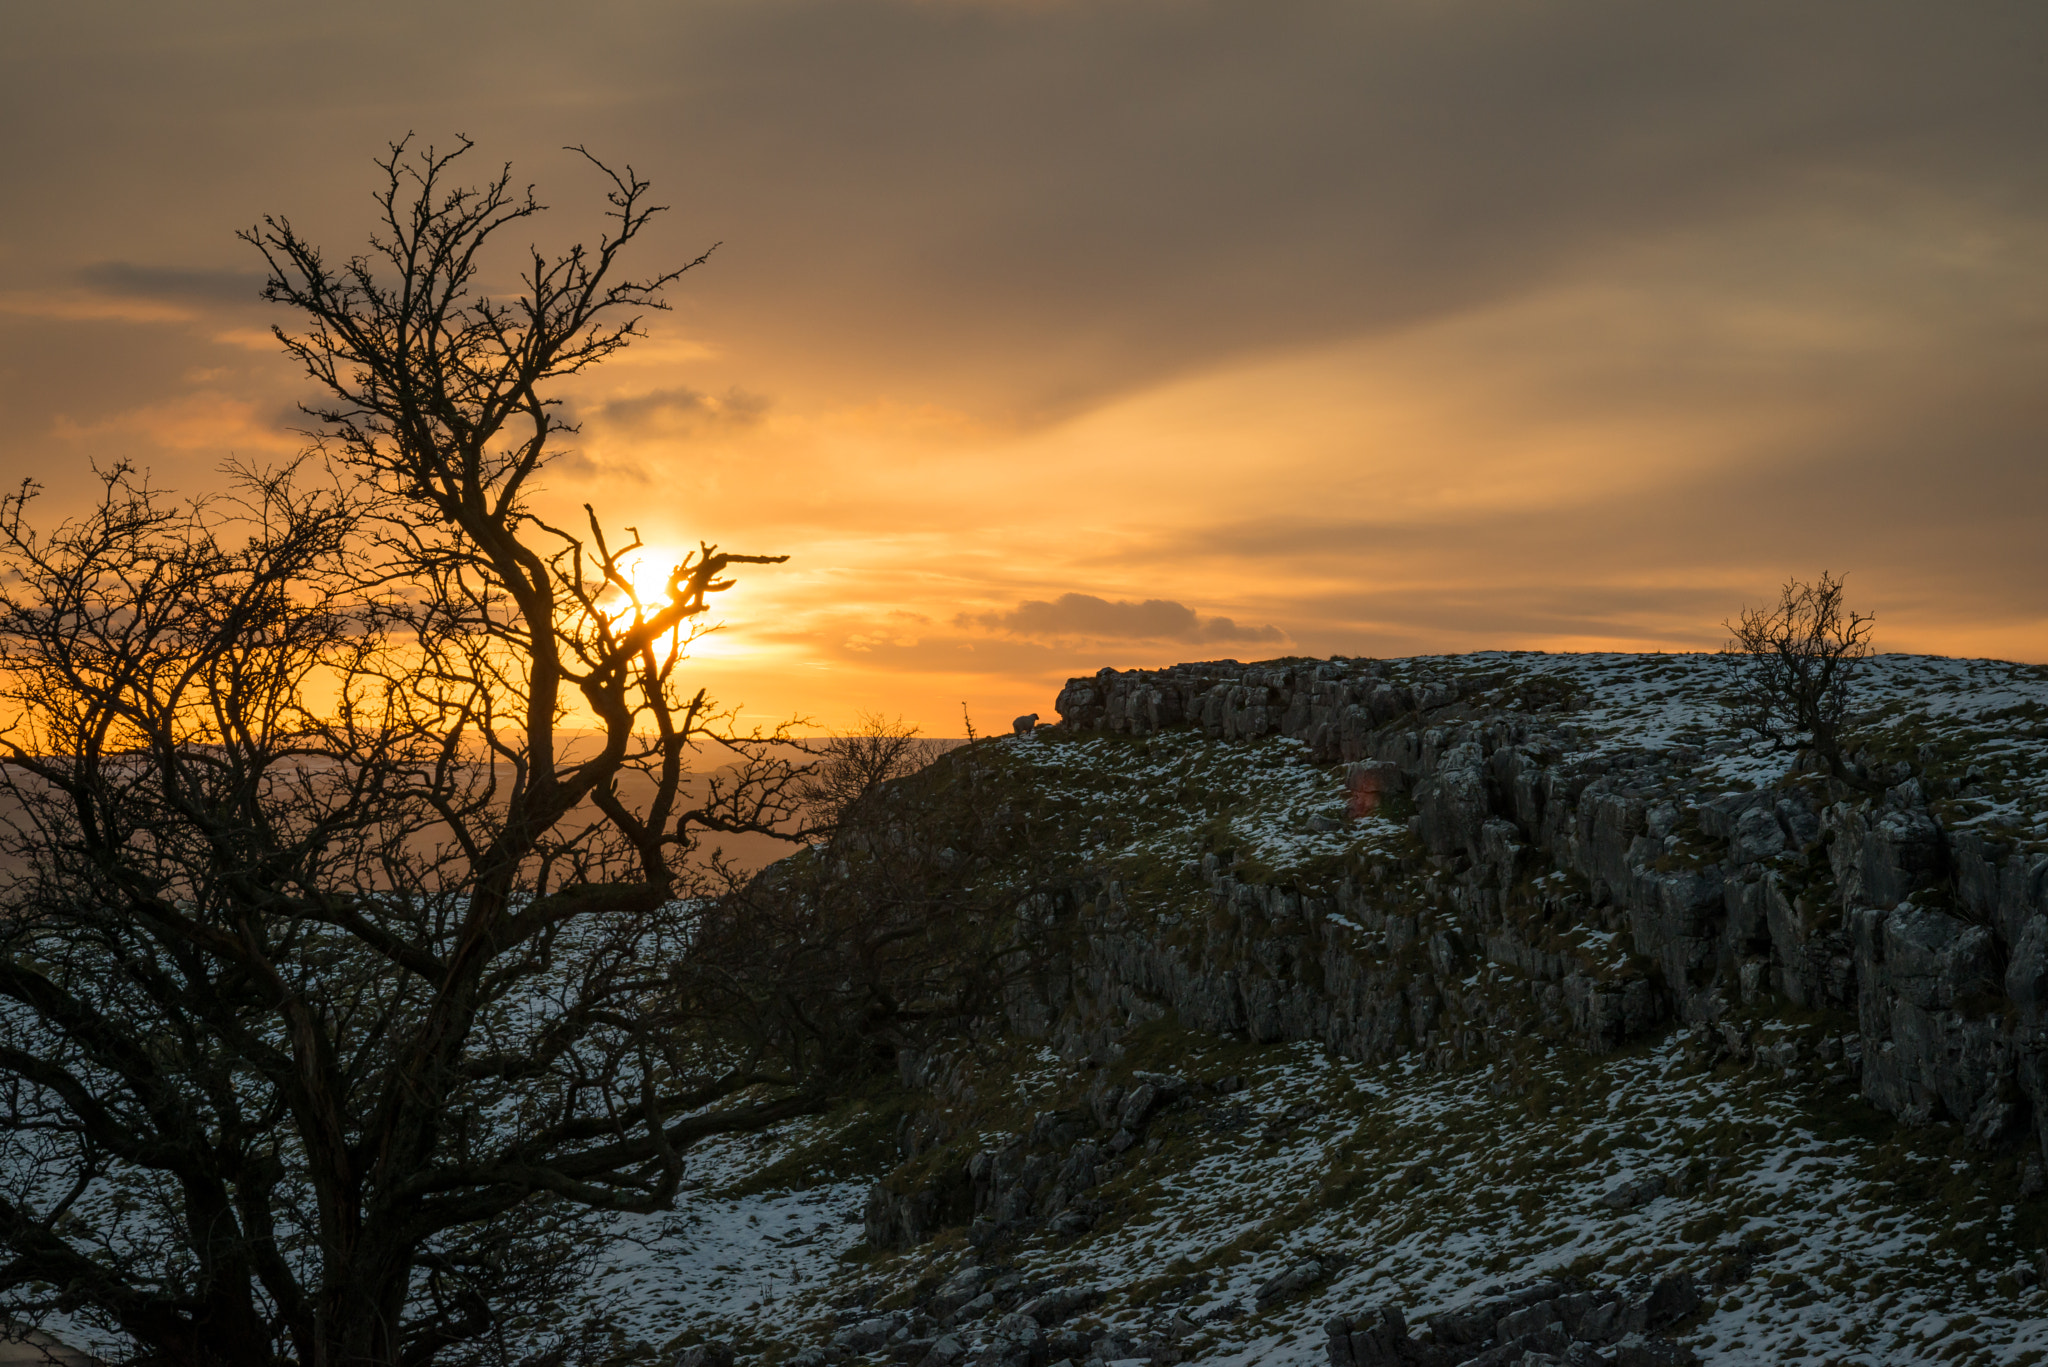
x: 1294, y: 1279
x: 1632, y: 1192
x: 1060, y: 1303
x: 958, y: 1289
x: 1375, y: 1338
x: 869, y: 1334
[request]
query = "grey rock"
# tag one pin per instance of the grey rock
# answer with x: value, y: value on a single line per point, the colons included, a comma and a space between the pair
x: 1019, y: 1329
x: 1376, y: 1338
x: 1500, y: 1355
x: 1543, y: 1322
x: 1296, y: 1278
x: 1138, y: 1105
x: 1637, y: 1350
x: 1113, y: 1347
x: 1105, y: 1103
x: 1530, y: 1319
x: 1068, y: 1343
x: 1672, y: 1297
x: 958, y: 1289
x: 1633, y: 1192
x: 1936, y: 960
x: 2026, y: 973
x: 1597, y: 1321
x: 1469, y: 1324
x: 1756, y: 835
x: 1901, y: 853
x: 869, y: 1334
x: 1060, y: 1303
x: 975, y: 1309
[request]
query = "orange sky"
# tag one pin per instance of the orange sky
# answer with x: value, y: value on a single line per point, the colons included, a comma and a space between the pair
x: 1048, y: 334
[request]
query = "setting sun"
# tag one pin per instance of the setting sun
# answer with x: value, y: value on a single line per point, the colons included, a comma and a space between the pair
x: 648, y: 570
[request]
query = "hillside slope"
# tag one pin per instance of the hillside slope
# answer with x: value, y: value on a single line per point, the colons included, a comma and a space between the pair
x: 1408, y: 983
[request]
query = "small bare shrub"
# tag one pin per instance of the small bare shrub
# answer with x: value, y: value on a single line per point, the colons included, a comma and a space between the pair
x: 1795, y: 663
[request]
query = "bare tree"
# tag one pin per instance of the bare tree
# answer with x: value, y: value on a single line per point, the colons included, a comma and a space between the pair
x: 853, y: 768
x: 943, y: 888
x: 1795, y: 664
x: 330, y: 980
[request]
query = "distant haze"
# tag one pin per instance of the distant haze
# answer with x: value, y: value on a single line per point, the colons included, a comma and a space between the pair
x: 1049, y: 334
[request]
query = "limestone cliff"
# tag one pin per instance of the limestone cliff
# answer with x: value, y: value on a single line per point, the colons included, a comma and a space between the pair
x: 1543, y: 829
x: 1500, y: 1008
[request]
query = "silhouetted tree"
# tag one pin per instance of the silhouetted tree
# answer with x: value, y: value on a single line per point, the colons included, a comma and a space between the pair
x: 938, y: 885
x: 334, y: 986
x: 1795, y: 663
x: 852, y: 768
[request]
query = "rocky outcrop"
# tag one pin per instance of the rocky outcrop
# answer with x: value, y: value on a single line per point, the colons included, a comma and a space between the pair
x: 1043, y: 1177
x: 1370, y: 971
x: 1805, y: 893
x: 1550, y: 889
x: 1546, y: 1322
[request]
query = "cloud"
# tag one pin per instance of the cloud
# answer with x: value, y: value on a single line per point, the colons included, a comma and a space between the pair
x: 1029, y: 206
x: 682, y: 406
x: 1085, y: 615
x: 204, y: 421
x: 172, y: 284
x: 1072, y: 201
x: 72, y: 306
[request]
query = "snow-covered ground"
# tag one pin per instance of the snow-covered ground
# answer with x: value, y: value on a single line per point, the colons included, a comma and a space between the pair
x: 1870, y: 1245
x: 1986, y: 715
x: 1144, y: 802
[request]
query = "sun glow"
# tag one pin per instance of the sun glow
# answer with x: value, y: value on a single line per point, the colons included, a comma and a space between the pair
x: 648, y: 569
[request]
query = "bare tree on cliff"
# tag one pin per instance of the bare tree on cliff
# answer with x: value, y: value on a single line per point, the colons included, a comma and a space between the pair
x: 853, y: 769
x: 330, y: 980
x: 1796, y: 662
x: 941, y: 892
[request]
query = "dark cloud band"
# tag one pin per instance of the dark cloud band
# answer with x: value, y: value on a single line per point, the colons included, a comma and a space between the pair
x: 1085, y: 615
